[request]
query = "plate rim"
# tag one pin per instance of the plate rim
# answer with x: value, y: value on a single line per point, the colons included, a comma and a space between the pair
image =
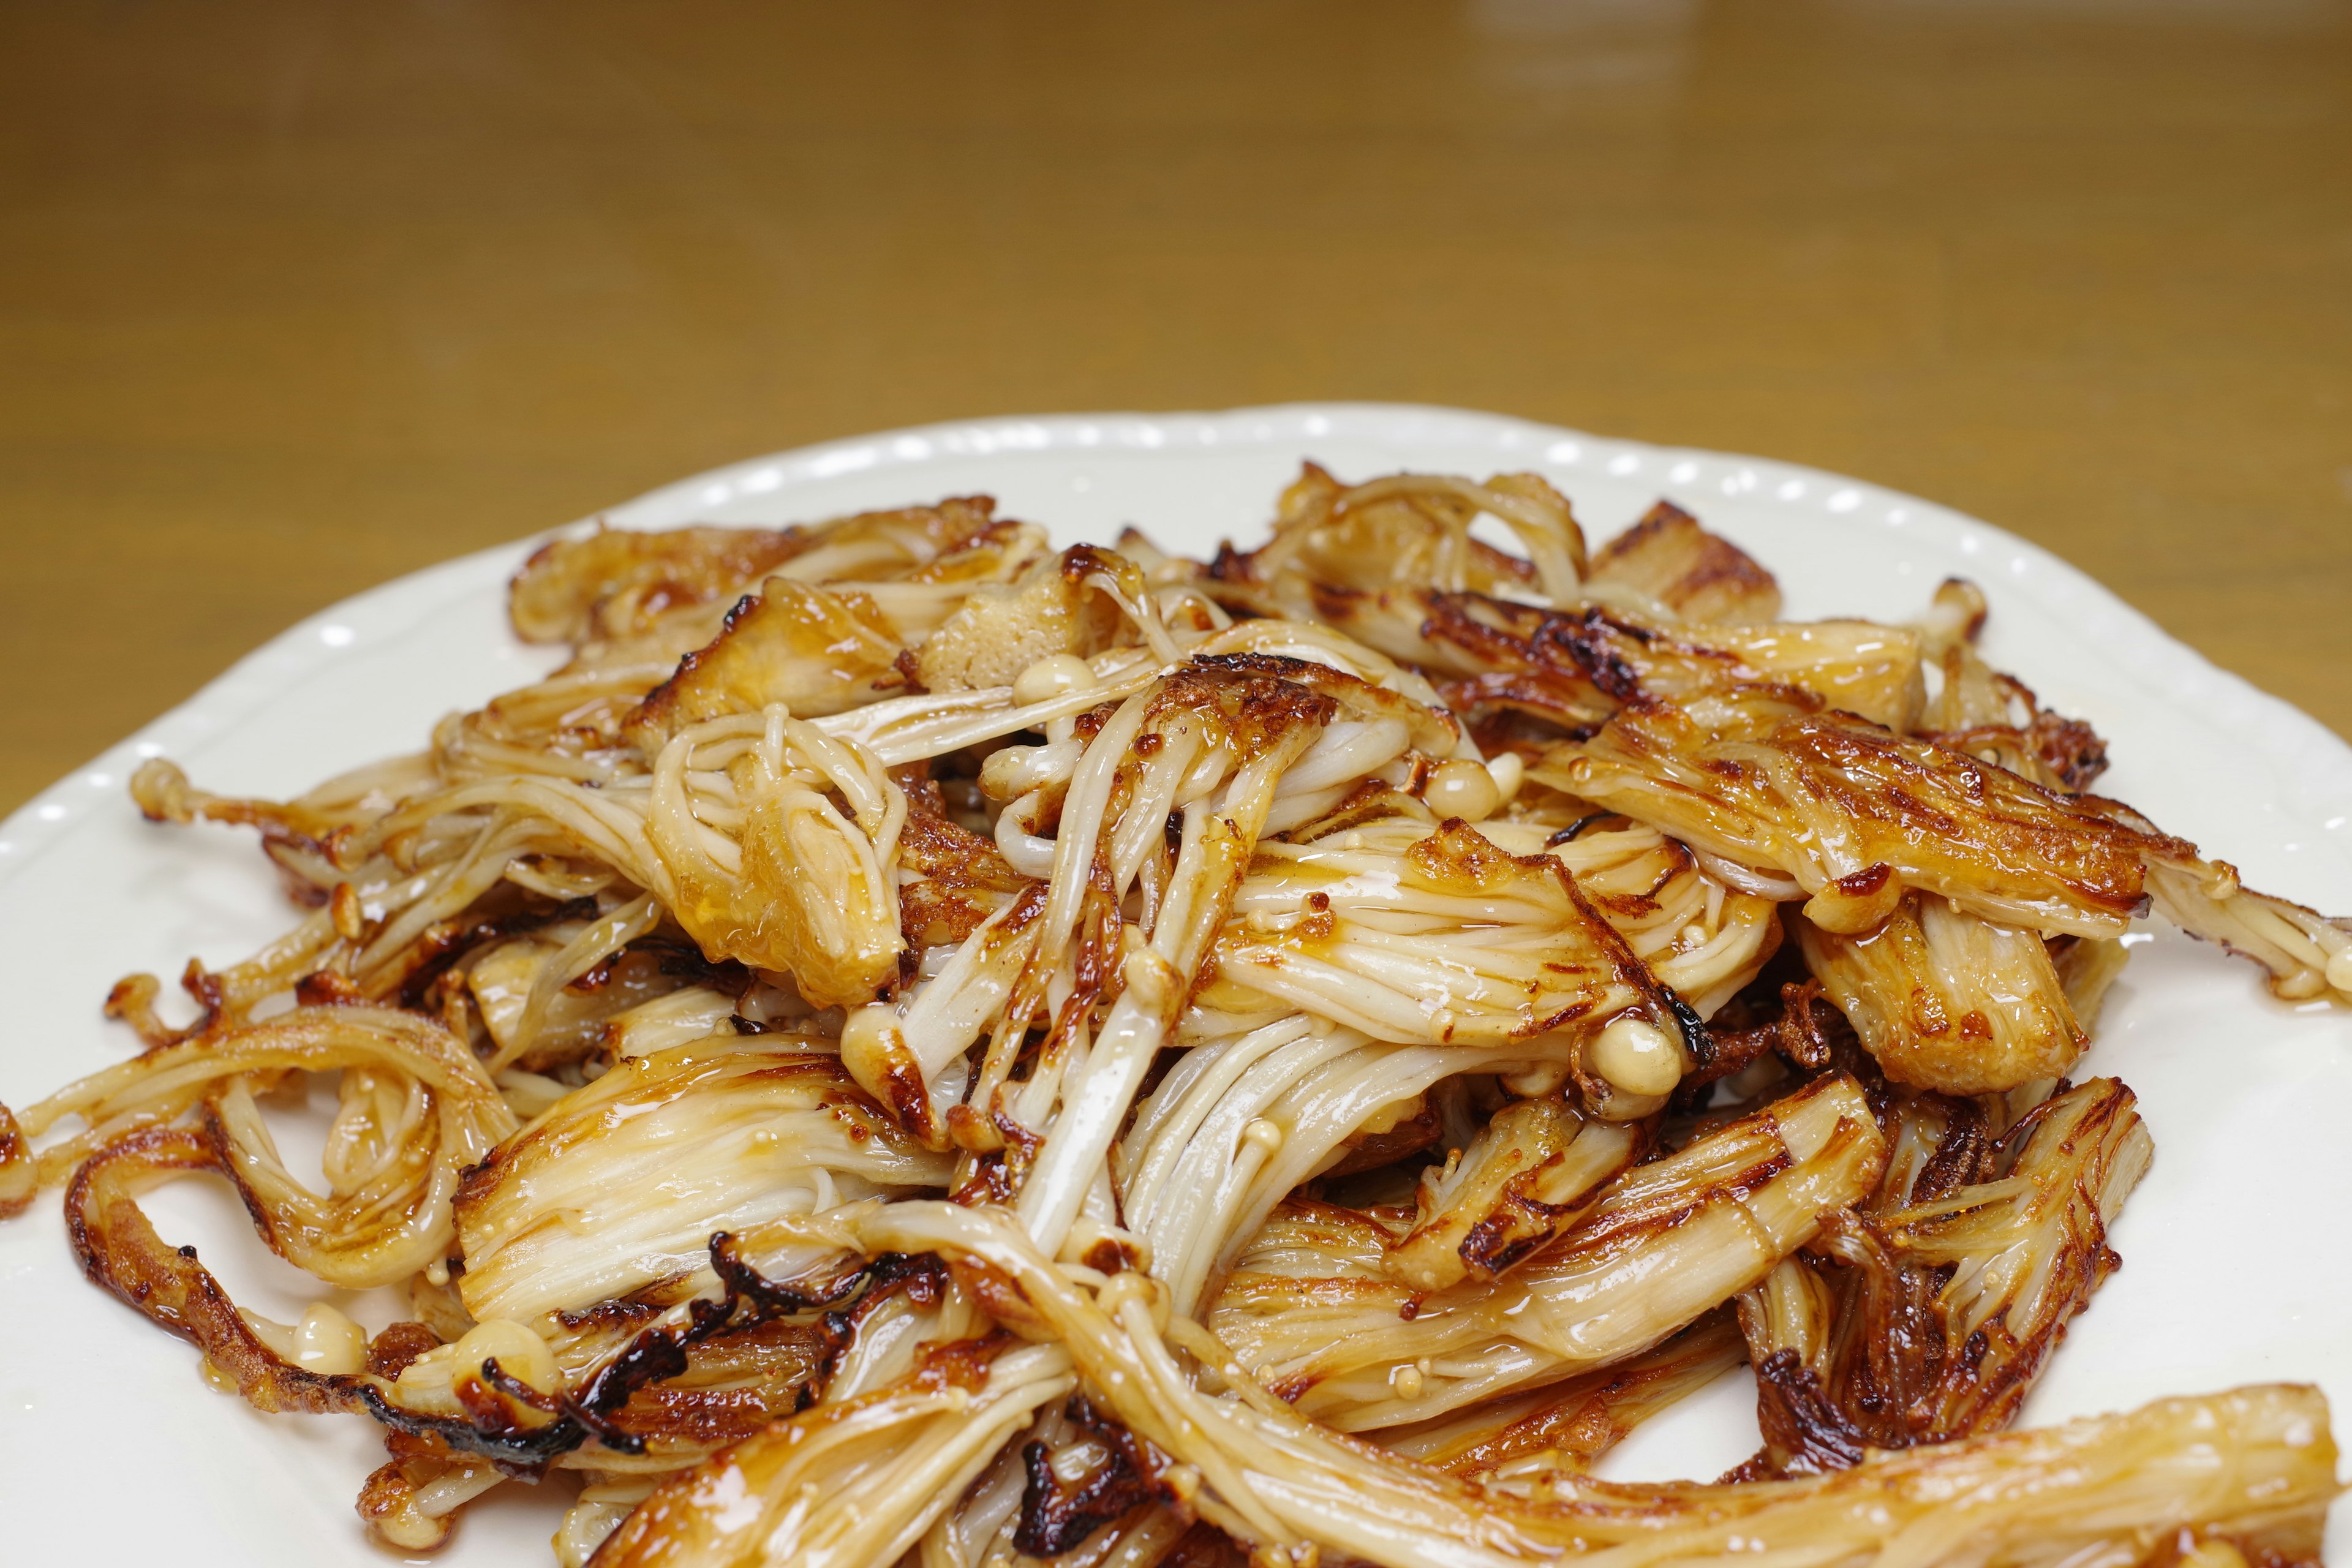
x: 2312, y: 763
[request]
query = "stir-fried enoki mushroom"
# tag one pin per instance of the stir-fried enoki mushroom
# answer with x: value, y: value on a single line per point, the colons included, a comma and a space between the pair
x: 1530, y: 1173
x: 616, y: 1191
x: 1854, y: 815
x: 120, y: 1250
x: 1316, y: 1313
x: 1208, y: 745
x: 1408, y: 528
x: 1993, y: 716
x: 1371, y: 946
x: 1569, y: 1426
x: 2254, y: 1469
x: 1237, y: 738
x: 1932, y: 1319
x: 1409, y: 934
x: 611, y: 583
x: 856, y: 1482
x: 759, y: 865
x: 1238, y: 1123
x: 1948, y: 999
x: 1577, y: 667
x: 415, y: 1110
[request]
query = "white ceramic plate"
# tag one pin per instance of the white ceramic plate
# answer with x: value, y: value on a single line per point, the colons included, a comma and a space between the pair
x: 110, y: 1445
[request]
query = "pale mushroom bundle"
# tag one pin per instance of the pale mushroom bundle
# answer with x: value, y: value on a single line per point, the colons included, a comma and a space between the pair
x: 916, y: 1047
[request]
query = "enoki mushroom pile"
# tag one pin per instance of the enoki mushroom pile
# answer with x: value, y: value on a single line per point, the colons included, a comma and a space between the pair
x: 916, y: 1047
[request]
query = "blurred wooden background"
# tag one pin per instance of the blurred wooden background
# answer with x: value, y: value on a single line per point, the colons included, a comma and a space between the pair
x: 295, y: 297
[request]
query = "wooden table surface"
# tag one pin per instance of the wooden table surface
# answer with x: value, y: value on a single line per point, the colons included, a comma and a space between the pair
x: 294, y: 298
